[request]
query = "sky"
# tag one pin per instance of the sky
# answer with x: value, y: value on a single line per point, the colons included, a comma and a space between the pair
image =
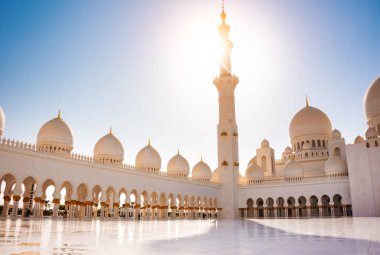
x: 145, y: 68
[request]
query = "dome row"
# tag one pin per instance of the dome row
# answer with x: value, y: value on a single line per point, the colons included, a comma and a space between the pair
x: 335, y: 165
x: 56, y: 135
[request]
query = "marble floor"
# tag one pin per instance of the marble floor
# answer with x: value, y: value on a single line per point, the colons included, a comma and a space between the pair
x: 271, y: 236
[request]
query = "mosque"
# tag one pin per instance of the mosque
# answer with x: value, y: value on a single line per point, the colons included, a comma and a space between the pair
x: 318, y: 175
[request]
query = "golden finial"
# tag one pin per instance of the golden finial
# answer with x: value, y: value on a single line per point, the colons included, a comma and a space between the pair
x: 307, y: 101
x: 223, y: 14
x: 110, y: 131
x: 59, y: 114
x: 149, y: 142
x: 178, y: 151
x: 201, y: 159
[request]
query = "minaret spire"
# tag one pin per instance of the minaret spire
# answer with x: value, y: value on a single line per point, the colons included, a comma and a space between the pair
x: 224, y: 29
x: 227, y: 131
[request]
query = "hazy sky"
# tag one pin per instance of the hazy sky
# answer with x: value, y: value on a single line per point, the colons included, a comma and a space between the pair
x: 146, y: 69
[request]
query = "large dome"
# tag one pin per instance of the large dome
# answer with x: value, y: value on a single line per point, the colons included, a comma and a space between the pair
x: 55, y: 135
x: 201, y: 171
x: 254, y: 172
x: 109, y: 149
x: 309, y: 121
x: 178, y: 165
x: 372, y: 100
x: 293, y: 169
x: 335, y: 165
x: 2, y: 121
x: 148, y: 158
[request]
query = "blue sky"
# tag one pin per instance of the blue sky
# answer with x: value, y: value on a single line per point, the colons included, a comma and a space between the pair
x: 146, y: 69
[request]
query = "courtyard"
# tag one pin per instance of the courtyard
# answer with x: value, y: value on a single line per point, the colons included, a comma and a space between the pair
x: 248, y: 236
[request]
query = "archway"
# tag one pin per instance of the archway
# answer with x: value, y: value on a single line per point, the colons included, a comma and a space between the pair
x: 270, y: 208
x: 326, y: 210
x: 260, y: 207
x: 314, y: 210
x: 250, y: 209
x: 280, y: 207
x: 338, y: 206
x: 302, y: 209
x: 291, y: 207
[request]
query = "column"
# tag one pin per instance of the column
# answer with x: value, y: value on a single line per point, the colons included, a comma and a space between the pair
x: 25, y: 203
x: 36, y: 212
x: 102, y: 209
x: 173, y: 210
x: 275, y: 208
x: 286, y: 210
x: 7, y: 199
x: 55, y: 207
x: 126, y: 207
x: 320, y: 209
x: 116, y: 210
x: 308, y: 210
x: 148, y: 211
x: 332, y: 208
x: 16, y: 200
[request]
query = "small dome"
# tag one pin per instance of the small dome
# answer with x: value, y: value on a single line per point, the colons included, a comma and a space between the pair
x: 293, y: 169
x: 335, y: 165
x: 288, y: 150
x: 216, y: 175
x: 264, y: 143
x: 201, y: 171
x: 148, y: 158
x: 2, y: 121
x: 372, y: 100
x: 309, y: 121
x: 335, y: 134
x: 306, y: 146
x: 371, y: 133
x: 254, y: 172
x: 358, y: 140
x: 109, y: 149
x: 55, y: 135
x: 252, y: 161
x: 178, y: 165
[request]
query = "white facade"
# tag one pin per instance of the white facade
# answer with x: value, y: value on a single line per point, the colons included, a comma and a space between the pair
x: 317, y: 175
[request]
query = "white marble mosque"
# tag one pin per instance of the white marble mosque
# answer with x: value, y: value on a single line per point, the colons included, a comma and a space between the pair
x: 319, y: 173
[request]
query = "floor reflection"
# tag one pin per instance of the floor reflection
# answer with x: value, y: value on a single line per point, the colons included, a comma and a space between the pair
x: 280, y: 236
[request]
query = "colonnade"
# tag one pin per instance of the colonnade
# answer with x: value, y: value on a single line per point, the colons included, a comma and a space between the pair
x: 90, y: 210
x: 330, y: 210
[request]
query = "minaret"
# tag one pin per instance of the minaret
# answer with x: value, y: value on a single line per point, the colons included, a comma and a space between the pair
x: 228, y: 157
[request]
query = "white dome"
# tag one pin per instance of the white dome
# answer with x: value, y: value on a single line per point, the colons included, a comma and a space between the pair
x: 293, y: 169
x: 306, y: 146
x: 109, y: 149
x: 2, y: 121
x: 216, y: 175
x: 309, y: 121
x: 264, y: 143
x: 178, y: 165
x: 254, y: 172
x: 55, y: 135
x: 335, y: 165
x: 371, y: 133
x: 148, y: 158
x: 201, y: 171
x: 252, y: 161
x: 359, y: 139
x: 335, y: 134
x: 288, y: 150
x: 372, y: 100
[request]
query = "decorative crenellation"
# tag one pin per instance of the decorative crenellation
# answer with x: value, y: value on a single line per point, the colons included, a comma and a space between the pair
x: 280, y: 180
x: 88, y: 159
